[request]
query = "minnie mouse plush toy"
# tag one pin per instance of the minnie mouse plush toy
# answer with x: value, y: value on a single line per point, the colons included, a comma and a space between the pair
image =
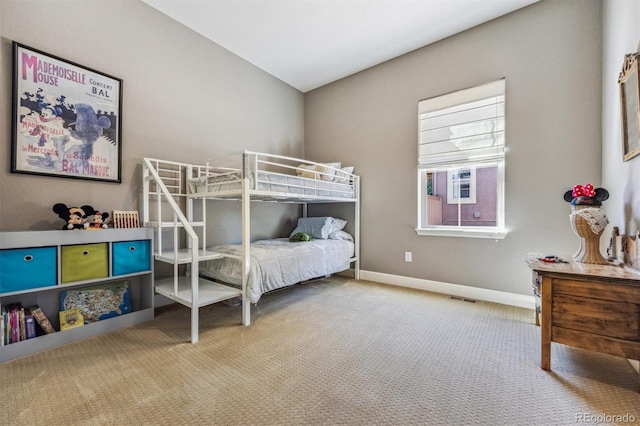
x: 99, y: 220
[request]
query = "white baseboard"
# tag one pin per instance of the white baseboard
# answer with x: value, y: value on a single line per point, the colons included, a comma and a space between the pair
x: 502, y: 297
x: 512, y: 299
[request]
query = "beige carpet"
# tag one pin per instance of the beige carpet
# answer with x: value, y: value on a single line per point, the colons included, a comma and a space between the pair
x: 332, y: 352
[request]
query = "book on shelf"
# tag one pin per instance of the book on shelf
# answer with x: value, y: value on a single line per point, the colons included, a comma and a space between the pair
x: 16, y: 324
x: 23, y: 326
x: 11, y: 320
x: 4, y: 326
x: 71, y: 318
x: 30, y: 326
x: 42, y: 319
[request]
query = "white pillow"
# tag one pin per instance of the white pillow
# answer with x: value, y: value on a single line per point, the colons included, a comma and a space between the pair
x: 343, y: 177
x: 340, y: 235
x: 337, y: 224
x: 330, y: 171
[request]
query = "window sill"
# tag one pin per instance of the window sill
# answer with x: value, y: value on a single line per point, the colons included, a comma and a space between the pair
x: 492, y: 233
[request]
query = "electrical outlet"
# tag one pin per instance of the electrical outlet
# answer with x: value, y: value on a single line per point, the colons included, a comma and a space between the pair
x: 408, y: 256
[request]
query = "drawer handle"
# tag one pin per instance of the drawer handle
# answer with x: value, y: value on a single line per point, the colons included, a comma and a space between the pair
x: 132, y: 248
x: 28, y: 258
x: 85, y: 252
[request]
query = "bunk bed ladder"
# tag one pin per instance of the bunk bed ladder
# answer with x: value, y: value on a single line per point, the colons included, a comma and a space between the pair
x: 164, y: 186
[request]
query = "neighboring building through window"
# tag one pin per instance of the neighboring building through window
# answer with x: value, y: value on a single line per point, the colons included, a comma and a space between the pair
x: 461, y: 154
x: 461, y: 185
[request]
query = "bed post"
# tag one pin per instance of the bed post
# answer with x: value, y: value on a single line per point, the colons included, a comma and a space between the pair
x: 246, y: 237
x: 195, y: 298
x: 357, y: 228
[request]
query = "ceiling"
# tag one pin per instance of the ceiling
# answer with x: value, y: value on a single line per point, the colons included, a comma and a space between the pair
x: 309, y: 43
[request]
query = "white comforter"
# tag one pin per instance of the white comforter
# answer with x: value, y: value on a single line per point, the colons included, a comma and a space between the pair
x: 279, y: 263
x: 272, y: 182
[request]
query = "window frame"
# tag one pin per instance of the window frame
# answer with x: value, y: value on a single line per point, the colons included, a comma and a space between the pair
x: 498, y: 231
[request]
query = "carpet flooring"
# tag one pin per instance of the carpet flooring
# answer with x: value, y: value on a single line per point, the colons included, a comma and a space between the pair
x: 332, y: 352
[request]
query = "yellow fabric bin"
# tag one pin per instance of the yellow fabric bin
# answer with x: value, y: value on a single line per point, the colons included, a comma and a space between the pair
x: 84, y: 262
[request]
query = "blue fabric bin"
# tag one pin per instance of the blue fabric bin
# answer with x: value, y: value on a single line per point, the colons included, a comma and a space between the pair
x: 27, y: 268
x: 130, y: 257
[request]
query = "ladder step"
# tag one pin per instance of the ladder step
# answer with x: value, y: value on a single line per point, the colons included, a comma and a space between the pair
x: 184, y: 256
x: 209, y: 292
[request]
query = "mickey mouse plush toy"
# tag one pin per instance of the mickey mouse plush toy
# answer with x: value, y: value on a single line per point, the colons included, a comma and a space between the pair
x: 75, y: 217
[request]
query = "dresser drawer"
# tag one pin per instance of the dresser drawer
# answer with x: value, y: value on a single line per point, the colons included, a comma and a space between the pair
x: 23, y: 269
x: 84, y: 262
x: 130, y: 257
x: 600, y: 317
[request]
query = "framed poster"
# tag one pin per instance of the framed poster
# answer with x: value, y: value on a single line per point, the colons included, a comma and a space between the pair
x: 66, y: 118
x: 630, y: 106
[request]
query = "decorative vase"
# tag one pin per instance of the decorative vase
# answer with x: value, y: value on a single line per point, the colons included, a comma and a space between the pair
x: 588, y: 223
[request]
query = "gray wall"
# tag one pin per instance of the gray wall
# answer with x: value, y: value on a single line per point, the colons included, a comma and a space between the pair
x: 550, y: 54
x: 185, y: 99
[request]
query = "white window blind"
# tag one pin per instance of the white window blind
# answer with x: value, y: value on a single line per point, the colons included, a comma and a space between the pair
x: 462, y: 127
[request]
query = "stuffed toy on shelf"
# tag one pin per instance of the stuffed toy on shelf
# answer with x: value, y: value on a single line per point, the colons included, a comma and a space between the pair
x: 75, y: 217
x: 99, y: 220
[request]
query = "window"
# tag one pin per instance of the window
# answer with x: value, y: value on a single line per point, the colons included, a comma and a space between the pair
x: 461, y: 155
x: 461, y: 185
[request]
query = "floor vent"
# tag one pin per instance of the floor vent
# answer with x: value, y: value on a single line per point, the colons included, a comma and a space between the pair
x: 464, y: 299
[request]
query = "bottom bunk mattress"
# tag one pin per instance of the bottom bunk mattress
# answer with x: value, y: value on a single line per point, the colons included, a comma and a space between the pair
x: 279, y: 263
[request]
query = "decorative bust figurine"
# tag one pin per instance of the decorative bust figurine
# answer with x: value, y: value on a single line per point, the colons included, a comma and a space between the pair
x: 588, y: 221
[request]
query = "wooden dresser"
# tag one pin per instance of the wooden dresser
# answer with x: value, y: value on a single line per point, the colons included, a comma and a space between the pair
x: 594, y: 307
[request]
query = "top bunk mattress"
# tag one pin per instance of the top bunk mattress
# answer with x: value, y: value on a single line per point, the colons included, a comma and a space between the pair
x: 276, y: 183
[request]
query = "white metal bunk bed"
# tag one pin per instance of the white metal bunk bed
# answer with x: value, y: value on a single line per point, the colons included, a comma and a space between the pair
x: 246, y: 176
